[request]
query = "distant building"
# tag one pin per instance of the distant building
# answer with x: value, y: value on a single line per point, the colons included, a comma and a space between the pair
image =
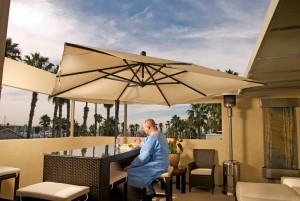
x: 214, y: 136
x: 7, y: 134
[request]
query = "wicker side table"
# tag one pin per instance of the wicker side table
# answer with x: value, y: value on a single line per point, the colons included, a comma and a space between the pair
x: 180, y: 174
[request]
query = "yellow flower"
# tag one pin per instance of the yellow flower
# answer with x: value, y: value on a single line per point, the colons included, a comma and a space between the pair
x: 174, y: 144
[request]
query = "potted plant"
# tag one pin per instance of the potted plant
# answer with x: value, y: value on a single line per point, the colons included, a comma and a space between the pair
x: 174, y: 156
x: 174, y: 145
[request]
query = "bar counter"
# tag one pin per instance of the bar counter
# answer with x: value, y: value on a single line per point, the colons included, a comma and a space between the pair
x: 87, y: 167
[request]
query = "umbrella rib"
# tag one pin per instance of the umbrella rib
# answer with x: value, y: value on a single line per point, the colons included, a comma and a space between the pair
x: 78, y: 86
x: 109, y: 54
x: 150, y: 83
x: 159, y: 89
x: 89, y: 49
x: 134, y: 73
x: 170, y: 76
x: 183, y: 83
x: 156, y: 71
x: 120, y: 80
x: 126, y: 87
x: 90, y: 71
x: 103, y: 77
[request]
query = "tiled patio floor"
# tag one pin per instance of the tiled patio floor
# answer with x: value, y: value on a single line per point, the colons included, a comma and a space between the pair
x: 197, y: 194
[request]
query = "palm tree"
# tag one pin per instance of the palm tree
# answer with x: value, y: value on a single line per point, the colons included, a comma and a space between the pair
x: 55, y: 101
x: 160, y: 125
x: 40, y: 62
x: 109, y: 125
x: 131, y: 128
x: 167, y: 128
x: 61, y: 102
x: 64, y: 125
x: 108, y: 107
x: 95, y: 117
x: 183, y: 125
x: 174, y: 126
x: 68, y: 118
x: 85, y: 116
x: 215, y: 117
x: 76, y: 128
x: 45, y: 122
x: 136, y: 127
x: 92, y: 130
x: 122, y: 125
x: 99, y: 119
x: 12, y: 50
x: 231, y: 72
x: 197, y: 116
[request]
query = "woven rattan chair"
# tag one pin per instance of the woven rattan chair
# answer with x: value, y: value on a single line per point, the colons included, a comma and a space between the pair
x: 201, y: 171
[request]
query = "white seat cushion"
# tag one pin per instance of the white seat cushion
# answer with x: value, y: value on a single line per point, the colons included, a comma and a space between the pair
x: 202, y: 171
x: 5, y: 170
x: 116, y: 176
x: 249, y: 191
x: 168, y: 173
x: 291, y: 181
x: 53, y: 191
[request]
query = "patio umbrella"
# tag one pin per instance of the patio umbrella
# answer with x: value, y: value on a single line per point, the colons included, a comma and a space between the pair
x: 102, y: 76
x: 106, y: 76
x: 22, y: 76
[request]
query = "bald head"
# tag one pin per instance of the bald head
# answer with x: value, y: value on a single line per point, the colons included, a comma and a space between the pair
x: 149, y: 126
x: 150, y: 122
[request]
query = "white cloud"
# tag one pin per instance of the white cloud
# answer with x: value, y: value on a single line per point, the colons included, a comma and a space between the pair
x: 142, y: 16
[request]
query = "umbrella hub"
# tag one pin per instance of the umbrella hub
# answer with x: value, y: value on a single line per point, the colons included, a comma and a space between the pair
x: 142, y: 83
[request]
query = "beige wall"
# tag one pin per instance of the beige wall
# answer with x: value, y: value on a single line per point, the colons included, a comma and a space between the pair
x: 247, y: 147
x: 28, y: 156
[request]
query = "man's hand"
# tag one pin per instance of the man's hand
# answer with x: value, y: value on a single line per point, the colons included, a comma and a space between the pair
x: 137, y: 140
x: 126, y: 168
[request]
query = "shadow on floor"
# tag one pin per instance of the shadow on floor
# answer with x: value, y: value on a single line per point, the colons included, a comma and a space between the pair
x: 196, y: 194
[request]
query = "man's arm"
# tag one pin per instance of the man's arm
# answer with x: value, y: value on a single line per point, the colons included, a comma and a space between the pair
x: 145, y: 152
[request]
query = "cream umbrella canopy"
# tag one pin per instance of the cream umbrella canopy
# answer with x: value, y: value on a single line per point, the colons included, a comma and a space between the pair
x: 101, y: 76
x: 22, y: 76
x: 104, y: 76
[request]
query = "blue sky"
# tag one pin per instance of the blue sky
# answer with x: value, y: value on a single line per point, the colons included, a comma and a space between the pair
x: 218, y: 34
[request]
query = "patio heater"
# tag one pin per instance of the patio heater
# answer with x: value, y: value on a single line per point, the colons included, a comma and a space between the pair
x: 231, y: 168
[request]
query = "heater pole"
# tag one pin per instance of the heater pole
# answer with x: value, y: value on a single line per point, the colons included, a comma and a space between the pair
x: 229, y: 113
x: 231, y: 168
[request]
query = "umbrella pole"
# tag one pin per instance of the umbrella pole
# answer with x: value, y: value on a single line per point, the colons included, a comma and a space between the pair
x: 95, y: 119
x: 72, y: 118
x: 117, y: 103
x: 125, y: 123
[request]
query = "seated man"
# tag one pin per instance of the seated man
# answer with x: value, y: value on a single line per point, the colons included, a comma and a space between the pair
x: 152, y: 161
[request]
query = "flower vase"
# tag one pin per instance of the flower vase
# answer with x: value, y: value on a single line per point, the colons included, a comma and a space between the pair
x: 174, y: 159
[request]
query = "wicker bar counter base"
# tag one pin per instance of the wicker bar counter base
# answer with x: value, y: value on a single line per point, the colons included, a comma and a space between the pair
x: 90, y: 167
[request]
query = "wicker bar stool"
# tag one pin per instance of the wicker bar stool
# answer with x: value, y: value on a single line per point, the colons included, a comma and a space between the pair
x: 10, y: 172
x: 53, y: 191
x: 118, y: 176
x: 165, y: 178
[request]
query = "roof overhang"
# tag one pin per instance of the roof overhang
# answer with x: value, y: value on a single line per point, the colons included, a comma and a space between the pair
x: 276, y: 56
